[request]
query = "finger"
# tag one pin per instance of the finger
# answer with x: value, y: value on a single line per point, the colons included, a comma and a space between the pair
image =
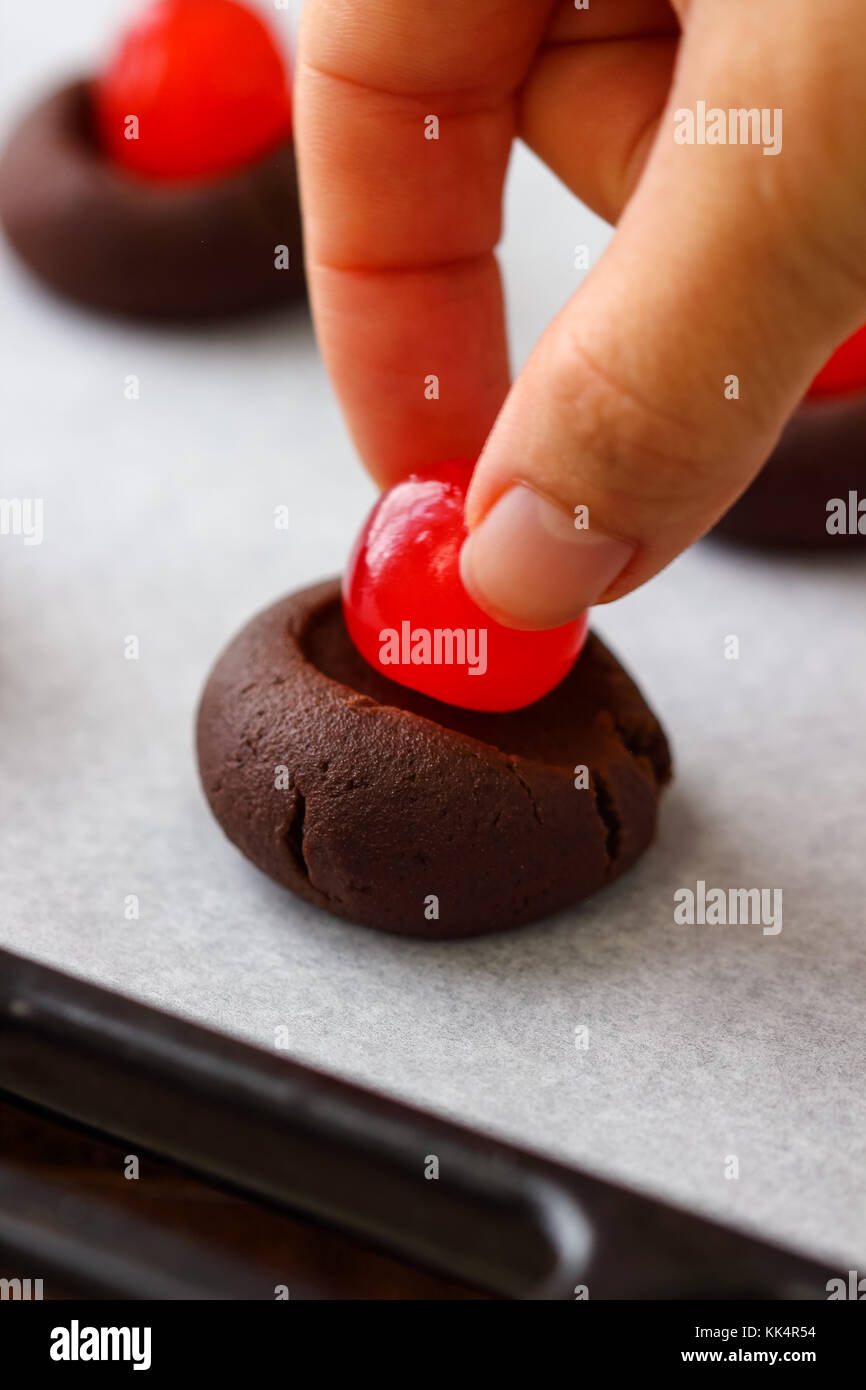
x: 594, y: 95
x: 615, y: 19
x: 399, y: 228
x: 591, y: 111
x: 727, y: 264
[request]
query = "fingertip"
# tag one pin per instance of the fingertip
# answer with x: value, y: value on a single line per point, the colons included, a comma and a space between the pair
x: 529, y: 565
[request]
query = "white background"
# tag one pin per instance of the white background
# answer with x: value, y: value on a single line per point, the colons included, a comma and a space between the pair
x: 704, y: 1042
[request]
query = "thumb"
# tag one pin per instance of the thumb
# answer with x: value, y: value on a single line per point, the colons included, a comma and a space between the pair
x: 659, y: 390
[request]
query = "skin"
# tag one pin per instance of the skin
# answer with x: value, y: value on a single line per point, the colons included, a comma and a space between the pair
x: 723, y: 260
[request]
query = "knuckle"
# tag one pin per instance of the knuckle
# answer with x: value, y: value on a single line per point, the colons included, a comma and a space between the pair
x: 636, y: 444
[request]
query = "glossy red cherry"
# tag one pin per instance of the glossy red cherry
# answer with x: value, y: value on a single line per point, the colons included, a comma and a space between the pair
x: 409, y: 615
x: 206, y: 84
x: 845, y: 372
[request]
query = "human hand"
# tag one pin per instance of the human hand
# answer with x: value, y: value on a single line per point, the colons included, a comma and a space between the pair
x: 726, y: 262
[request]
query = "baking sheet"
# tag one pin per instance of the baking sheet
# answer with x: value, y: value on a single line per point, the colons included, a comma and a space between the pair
x: 704, y: 1043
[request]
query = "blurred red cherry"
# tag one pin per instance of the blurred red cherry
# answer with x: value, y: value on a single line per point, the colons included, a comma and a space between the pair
x: 206, y: 84
x: 845, y: 372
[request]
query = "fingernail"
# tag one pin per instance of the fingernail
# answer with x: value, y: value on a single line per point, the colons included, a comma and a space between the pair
x: 529, y: 566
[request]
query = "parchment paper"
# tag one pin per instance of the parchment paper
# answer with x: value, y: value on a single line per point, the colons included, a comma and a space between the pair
x: 705, y: 1043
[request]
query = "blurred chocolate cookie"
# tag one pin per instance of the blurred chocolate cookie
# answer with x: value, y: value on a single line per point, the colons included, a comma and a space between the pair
x: 129, y: 245
x: 808, y: 494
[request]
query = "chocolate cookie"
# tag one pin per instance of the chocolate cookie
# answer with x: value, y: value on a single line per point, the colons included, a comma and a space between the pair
x: 138, y: 246
x: 392, y: 809
x: 820, y: 458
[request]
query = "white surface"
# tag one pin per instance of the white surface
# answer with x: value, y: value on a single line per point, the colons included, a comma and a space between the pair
x: 704, y: 1041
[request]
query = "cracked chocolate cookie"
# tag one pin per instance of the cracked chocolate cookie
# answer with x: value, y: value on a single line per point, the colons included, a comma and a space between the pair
x: 403, y: 813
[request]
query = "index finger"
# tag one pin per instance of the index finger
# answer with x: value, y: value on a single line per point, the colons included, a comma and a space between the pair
x: 405, y: 116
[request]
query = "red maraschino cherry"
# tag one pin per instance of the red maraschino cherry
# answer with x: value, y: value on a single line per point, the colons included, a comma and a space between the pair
x: 845, y: 373
x: 411, y: 618
x: 201, y: 87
